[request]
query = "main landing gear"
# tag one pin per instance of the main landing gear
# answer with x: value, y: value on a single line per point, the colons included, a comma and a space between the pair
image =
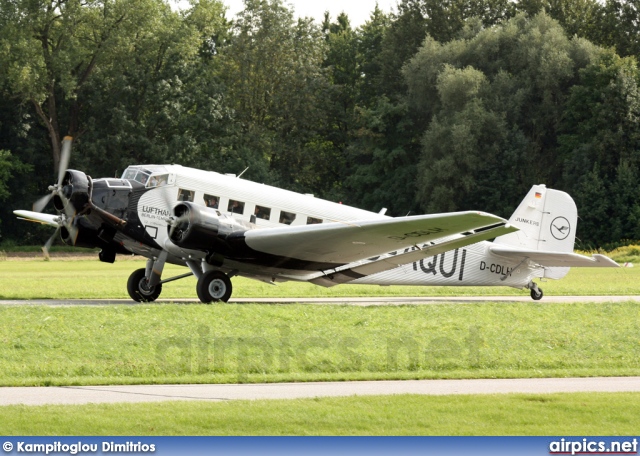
x: 144, y: 285
x: 214, y: 286
x: 139, y: 289
x: 536, y: 293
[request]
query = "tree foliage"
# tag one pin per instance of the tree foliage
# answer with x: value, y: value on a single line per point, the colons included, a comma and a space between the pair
x: 492, y: 100
x: 439, y: 106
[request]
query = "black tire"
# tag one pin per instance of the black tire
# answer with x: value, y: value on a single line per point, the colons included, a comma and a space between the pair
x: 537, y: 296
x: 214, y: 286
x: 137, y: 287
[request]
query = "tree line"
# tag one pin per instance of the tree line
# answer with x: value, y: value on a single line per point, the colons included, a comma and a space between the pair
x: 439, y: 106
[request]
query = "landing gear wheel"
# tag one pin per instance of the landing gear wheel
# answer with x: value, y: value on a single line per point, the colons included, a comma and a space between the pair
x: 214, y: 286
x: 138, y: 289
x: 537, y: 294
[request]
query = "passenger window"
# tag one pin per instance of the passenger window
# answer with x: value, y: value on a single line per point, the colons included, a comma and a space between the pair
x: 262, y: 212
x: 211, y: 201
x: 287, y: 217
x: 313, y: 221
x: 237, y: 207
x: 185, y: 195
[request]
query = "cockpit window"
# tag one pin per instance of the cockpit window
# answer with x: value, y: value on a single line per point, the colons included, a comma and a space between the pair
x: 158, y: 180
x: 138, y: 175
x: 129, y: 174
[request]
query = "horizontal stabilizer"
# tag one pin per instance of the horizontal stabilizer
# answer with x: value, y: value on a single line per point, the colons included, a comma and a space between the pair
x: 395, y: 259
x: 39, y: 217
x: 555, y: 259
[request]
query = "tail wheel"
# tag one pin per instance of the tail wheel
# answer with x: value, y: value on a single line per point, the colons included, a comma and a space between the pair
x: 138, y: 289
x: 537, y: 294
x: 214, y: 286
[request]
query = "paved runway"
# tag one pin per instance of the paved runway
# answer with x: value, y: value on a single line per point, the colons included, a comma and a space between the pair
x: 157, y: 393
x: 362, y: 301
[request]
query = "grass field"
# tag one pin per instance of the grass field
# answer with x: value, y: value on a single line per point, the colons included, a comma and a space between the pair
x: 551, y: 414
x: 88, y: 278
x: 173, y: 343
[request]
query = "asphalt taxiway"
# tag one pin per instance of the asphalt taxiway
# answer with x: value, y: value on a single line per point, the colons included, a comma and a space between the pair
x: 355, y: 301
x: 227, y: 392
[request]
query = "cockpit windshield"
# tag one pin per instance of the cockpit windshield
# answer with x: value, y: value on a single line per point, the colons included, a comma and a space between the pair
x: 148, y: 175
x: 137, y: 174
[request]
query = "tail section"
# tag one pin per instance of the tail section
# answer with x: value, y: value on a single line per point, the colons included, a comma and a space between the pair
x: 547, y: 220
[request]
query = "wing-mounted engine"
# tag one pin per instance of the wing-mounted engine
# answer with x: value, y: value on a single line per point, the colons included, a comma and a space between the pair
x: 202, y: 228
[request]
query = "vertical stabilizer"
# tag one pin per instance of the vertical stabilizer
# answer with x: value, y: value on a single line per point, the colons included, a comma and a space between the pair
x: 547, y: 220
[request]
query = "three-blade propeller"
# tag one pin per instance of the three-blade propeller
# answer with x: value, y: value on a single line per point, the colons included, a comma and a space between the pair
x: 66, y: 220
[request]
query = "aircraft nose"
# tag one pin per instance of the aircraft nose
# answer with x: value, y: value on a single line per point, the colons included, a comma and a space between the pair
x: 74, y: 193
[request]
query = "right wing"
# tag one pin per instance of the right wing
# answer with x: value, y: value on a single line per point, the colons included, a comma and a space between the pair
x: 394, y: 259
x: 333, y: 245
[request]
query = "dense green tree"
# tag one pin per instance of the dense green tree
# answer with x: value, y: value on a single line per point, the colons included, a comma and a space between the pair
x: 383, y: 144
x: 453, y: 105
x: 492, y: 102
x: 601, y: 133
x: 51, y: 49
x: 164, y: 102
x: 275, y: 83
x: 401, y: 41
x: 619, y: 26
x: 445, y: 19
x: 582, y: 18
x: 343, y: 68
x: 10, y: 168
x: 370, y: 37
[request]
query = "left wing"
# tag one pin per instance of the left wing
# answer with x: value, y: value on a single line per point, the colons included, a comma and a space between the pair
x: 349, y: 242
x: 555, y: 259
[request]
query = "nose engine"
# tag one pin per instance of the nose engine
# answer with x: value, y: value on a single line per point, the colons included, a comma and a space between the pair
x: 73, y: 194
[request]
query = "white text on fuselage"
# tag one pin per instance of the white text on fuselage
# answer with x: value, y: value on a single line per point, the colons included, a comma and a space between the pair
x: 432, y: 266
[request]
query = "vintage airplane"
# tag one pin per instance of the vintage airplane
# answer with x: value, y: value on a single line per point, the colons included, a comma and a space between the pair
x: 220, y: 226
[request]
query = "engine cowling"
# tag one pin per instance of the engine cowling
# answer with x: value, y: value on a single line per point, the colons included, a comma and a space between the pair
x: 75, y: 191
x: 202, y: 228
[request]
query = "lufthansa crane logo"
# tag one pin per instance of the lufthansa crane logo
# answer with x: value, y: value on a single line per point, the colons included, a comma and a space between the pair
x: 560, y: 228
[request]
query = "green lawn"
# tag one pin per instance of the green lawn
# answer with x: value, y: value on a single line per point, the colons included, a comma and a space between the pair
x: 89, y: 278
x: 551, y: 414
x: 221, y: 343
